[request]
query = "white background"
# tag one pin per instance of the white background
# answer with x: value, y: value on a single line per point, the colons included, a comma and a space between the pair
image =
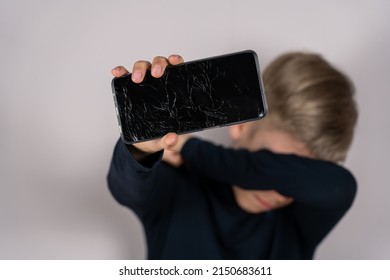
x: 58, y: 124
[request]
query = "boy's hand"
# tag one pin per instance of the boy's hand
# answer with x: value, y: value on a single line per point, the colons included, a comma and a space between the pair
x: 171, y: 142
x: 173, y: 145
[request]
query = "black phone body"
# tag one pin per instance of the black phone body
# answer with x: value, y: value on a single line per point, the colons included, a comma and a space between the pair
x: 190, y: 97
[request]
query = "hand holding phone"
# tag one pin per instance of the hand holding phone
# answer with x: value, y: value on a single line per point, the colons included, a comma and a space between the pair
x: 171, y: 141
x: 189, y: 97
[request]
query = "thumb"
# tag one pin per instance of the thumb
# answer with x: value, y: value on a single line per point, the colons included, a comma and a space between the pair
x: 169, y: 141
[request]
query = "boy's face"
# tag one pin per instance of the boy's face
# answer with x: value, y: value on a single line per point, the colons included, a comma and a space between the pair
x: 255, y: 201
x: 255, y: 136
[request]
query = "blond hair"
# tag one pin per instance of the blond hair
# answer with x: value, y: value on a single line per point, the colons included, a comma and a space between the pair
x: 312, y: 100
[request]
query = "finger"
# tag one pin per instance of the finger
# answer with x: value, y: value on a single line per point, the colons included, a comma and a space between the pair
x: 158, y: 66
x: 169, y: 140
x: 153, y: 146
x: 175, y: 59
x: 119, y: 71
x: 139, y: 70
x: 150, y: 147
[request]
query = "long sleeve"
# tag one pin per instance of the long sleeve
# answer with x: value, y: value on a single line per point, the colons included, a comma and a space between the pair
x: 322, y: 191
x: 136, y: 186
x: 311, y: 182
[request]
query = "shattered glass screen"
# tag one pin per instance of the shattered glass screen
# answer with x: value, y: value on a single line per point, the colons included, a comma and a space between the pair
x: 190, y: 97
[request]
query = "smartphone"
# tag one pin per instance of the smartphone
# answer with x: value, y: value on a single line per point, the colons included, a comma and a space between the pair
x: 190, y: 97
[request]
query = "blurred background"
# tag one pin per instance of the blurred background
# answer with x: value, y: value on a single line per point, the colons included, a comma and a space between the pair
x: 58, y: 125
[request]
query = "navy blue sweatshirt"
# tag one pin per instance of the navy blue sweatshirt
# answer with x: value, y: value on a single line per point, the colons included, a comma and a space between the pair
x: 191, y: 213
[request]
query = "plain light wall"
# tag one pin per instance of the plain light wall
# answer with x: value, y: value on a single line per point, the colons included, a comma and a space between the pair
x: 58, y: 125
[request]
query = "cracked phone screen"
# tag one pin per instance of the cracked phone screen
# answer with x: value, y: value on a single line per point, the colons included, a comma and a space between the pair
x: 190, y: 97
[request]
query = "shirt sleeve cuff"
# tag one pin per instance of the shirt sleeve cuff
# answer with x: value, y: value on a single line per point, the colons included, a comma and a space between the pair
x: 145, y: 165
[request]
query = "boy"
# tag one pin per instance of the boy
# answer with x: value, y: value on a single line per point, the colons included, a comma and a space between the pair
x: 274, y: 195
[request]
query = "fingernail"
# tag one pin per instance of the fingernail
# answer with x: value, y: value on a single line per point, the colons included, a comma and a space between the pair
x: 156, y: 71
x: 136, y: 76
